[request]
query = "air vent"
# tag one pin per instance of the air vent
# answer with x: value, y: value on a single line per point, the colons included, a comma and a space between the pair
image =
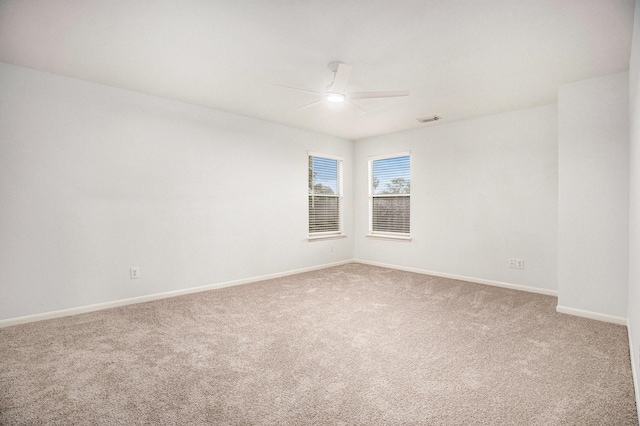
x: 428, y: 119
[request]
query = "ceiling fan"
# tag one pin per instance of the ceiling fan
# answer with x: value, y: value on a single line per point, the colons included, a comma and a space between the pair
x: 336, y: 91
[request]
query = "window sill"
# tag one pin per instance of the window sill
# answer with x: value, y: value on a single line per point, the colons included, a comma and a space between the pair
x: 389, y: 237
x: 326, y: 237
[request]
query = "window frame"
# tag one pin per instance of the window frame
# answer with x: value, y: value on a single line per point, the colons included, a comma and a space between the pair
x: 390, y: 235
x: 339, y: 233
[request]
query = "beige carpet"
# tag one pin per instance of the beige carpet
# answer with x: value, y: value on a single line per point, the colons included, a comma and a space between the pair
x: 353, y: 344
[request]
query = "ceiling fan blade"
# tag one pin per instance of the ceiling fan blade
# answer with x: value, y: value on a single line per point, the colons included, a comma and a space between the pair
x: 371, y: 95
x: 341, y: 78
x: 296, y: 88
x: 310, y: 104
x: 362, y: 110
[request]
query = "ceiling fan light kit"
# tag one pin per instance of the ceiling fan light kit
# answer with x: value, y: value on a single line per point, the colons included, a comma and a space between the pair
x: 335, y: 97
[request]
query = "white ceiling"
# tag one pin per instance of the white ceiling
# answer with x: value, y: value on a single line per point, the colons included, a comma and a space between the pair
x: 458, y: 59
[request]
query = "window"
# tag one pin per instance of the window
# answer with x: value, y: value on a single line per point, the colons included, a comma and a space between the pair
x: 390, y: 196
x: 325, y: 195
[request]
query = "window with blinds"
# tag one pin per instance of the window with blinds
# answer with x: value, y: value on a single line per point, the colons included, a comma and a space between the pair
x: 390, y: 196
x: 325, y: 195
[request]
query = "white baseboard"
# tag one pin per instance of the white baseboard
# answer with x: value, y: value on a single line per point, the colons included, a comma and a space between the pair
x: 591, y: 315
x: 157, y: 296
x: 634, y: 371
x: 545, y: 291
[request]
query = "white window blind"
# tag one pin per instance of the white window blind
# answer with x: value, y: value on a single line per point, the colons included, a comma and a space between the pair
x: 325, y: 195
x: 390, y: 195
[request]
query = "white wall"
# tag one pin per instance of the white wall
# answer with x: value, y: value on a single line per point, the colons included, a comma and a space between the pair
x: 95, y: 179
x: 593, y: 190
x: 483, y: 191
x: 634, y: 204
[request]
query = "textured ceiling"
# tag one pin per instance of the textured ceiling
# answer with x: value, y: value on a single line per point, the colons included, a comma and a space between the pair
x: 458, y: 59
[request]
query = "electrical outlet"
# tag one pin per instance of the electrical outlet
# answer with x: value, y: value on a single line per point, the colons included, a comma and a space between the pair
x: 519, y: 263
x: 134, y: 272
x: 512, y: 263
